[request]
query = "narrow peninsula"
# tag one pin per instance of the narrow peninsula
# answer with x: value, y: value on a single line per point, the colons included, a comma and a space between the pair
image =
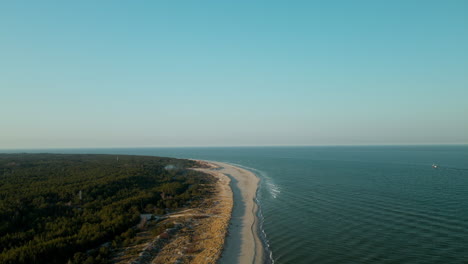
x: 57, y: 208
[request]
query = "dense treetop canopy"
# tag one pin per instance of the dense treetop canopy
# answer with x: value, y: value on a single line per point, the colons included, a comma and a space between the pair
x: 54, y: 207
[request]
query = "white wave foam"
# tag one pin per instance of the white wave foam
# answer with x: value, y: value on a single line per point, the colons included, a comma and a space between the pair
x: 263, y: 235
x: 272, y: 188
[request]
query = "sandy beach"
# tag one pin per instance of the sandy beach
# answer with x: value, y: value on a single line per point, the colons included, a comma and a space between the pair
x: 222, y: 229
x: 242, y: 244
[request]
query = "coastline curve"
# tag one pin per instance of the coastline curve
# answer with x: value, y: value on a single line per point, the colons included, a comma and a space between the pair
x: 242, y: 243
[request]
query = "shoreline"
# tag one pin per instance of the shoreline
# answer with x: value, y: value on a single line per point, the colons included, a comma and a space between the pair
x: 242, y: 243
x: 194, y: 234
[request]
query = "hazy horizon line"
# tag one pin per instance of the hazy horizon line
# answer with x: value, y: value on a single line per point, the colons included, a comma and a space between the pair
x: 244, y: 146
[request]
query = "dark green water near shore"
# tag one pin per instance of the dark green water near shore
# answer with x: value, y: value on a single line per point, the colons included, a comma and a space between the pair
x: 352, y: 204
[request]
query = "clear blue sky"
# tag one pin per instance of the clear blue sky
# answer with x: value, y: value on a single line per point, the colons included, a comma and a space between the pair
x: 224, y: 73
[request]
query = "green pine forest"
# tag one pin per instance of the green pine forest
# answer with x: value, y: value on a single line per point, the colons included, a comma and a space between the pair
x: 57, y: 208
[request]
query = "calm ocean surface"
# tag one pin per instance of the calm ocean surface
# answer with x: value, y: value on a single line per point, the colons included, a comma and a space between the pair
x: 352, y: 204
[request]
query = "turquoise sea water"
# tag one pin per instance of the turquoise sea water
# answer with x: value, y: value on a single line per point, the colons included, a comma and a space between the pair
x: 352, y: 204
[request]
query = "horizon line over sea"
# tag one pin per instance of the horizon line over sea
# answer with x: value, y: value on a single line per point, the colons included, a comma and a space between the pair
x: 239, y: 146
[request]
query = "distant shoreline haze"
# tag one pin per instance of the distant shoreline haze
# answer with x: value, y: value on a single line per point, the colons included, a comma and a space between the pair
x: 9, y: 150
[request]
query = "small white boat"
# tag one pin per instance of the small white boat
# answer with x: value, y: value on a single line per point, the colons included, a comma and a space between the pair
x: 435, y: 166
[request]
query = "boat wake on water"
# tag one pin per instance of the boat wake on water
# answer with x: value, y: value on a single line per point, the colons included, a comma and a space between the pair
x: 438, y: 167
